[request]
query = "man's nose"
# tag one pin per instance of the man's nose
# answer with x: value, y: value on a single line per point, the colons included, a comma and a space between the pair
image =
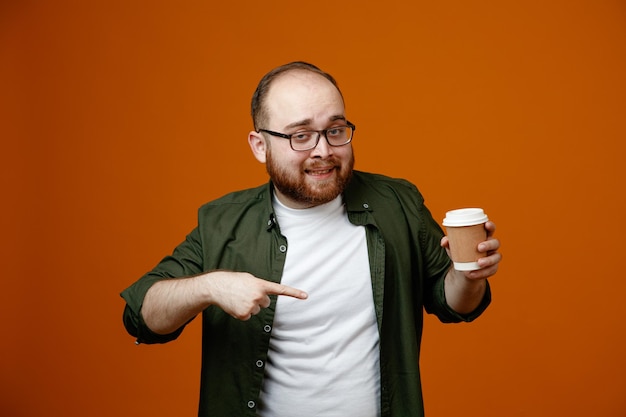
x: 323, y: 148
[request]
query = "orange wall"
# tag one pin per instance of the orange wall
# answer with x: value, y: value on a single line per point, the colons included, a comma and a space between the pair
x: 118, y: 119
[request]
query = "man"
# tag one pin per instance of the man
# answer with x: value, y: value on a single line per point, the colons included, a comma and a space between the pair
x: 312, y: 287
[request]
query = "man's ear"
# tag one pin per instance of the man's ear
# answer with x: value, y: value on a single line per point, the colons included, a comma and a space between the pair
x: 258, y: 145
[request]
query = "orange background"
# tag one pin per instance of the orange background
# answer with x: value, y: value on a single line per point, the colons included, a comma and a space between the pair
x: 120, y: 118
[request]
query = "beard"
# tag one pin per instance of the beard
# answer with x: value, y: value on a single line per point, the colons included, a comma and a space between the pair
x: 294, y: 184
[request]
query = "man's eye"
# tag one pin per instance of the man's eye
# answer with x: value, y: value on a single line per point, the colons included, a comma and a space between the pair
x: 302, y: 136
x: 336, y: 131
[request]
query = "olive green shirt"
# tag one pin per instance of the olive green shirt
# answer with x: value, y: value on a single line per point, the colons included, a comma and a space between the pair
x: 239, y: 232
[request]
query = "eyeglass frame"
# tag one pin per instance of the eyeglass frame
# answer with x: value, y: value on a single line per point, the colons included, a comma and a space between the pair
x: 319, y: 135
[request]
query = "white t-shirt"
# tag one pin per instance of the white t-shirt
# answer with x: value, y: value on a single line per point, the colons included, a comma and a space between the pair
x: 323, y: 358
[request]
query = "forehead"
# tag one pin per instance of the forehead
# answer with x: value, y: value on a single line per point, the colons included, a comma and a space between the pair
x: 302, y: 97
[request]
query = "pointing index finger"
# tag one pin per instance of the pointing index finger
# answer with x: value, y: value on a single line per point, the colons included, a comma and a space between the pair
x: 280, y: 289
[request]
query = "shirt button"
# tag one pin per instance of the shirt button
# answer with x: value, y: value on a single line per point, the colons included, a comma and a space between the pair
x: 365, y: 205
x: 267, y: 328
x: 282, y: 248
x: 259, y: 363
x: 251, y: 404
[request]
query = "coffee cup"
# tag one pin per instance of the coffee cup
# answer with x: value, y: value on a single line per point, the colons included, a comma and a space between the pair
x: 466, y: 229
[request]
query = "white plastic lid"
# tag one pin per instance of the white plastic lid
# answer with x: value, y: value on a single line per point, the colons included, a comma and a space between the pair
x: 465, y: 217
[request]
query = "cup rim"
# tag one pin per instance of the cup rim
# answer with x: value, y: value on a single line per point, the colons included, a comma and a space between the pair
x: 465, y: 217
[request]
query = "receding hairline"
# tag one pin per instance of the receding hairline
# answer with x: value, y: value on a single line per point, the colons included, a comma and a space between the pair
x: 258, y: 107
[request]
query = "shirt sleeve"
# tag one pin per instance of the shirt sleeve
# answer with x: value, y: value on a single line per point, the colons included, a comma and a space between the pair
x: 185, y: 261
x: 446, y: 314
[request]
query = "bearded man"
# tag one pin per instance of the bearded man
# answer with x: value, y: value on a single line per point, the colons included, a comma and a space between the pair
x: 311, y: 287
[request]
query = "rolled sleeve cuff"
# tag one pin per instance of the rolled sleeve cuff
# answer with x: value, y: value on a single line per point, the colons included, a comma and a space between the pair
x: 133, y: 320
x: 450, y: 316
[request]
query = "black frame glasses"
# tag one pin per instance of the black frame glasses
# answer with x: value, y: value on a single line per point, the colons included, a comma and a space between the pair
x: 305, y: 137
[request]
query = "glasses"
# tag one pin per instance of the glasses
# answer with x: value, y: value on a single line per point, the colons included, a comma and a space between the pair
x: 308, y: 139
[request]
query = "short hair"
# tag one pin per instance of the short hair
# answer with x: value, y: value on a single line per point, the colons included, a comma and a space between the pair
x: 258, y: 108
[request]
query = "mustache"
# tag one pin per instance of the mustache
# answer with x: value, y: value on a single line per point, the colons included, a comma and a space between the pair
x: 325, y: 164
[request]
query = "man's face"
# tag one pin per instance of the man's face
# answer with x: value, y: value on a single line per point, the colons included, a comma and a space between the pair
x: 306, y: 101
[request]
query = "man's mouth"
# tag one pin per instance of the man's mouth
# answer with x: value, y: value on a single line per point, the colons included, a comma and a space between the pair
x: 320, y: 171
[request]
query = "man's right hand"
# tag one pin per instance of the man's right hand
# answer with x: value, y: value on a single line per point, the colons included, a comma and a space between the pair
x: 243, y: 295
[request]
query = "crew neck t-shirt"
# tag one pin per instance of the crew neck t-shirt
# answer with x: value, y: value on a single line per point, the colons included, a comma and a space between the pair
x: 323, y: 358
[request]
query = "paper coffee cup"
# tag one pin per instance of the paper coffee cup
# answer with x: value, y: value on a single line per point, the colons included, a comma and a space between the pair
x: 465, y: 228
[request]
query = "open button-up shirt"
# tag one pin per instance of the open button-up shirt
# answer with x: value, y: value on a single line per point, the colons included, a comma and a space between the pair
x: 239, y: 232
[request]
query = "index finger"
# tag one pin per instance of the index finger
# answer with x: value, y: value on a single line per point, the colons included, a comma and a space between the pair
x: 280, y: 289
